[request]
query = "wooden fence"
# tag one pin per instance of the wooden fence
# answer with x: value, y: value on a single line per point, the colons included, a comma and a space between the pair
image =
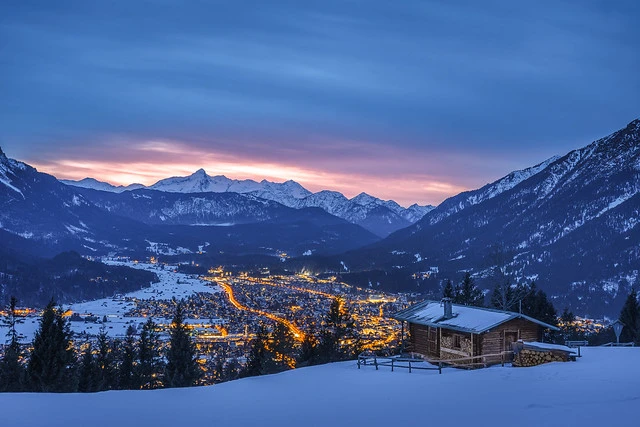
x: 417, y: 361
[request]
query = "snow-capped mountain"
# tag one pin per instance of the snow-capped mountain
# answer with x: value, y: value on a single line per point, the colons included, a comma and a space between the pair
x: 569, y: 223
x: 99, y: 185
x: 378, y: 216
x: 40, y: 215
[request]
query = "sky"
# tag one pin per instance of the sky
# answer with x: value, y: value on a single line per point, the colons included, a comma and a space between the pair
x: 414, y: 101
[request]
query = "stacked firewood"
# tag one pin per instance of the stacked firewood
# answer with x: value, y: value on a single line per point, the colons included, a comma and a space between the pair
x: 528, y: 357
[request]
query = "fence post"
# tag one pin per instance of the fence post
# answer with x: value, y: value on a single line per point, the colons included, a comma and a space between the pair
x: 502, y: 358
x: 375, y: 361
x: 440, y: 367
x: 358, y: 362
x: 391, y: 365
x: 409, y: 366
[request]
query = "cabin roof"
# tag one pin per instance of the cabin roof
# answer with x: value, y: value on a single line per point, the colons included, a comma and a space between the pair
x: 465, y: 318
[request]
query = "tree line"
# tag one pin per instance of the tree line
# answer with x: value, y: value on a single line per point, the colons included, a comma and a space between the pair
x: 528, y: 299
x: 54, y: 365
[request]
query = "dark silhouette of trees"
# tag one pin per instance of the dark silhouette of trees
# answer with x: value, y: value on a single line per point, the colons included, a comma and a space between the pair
x: 11, y: 369
x: 467, y: 293
x: 630, y: 317
x: 149, y: 365
x: 182, y: 368
x: 52, y: 360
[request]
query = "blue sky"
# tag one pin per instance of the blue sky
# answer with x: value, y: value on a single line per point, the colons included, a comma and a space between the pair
x: 412, y: 100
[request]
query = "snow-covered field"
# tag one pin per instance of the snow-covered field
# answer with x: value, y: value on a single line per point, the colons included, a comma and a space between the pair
x: 600, y: 389
x: 171, y: 285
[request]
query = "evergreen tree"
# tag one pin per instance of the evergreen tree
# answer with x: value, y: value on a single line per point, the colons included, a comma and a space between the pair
x: 448, y: 291
x: 536, y: 304
x: 468, y: 293
x: 88, y: 373
x: 106, y: 360
x: 338, y: 340
x: 52, y: 360
x: 149, y: 366
x: 231, y: 370
x: 182, y: 369
x: 630, y: 317
x: 127, y: 360
x: 308, y: 349
x: 567, y: 316
x: 259, y: 360
x: 282, y: 343
x: 11, y: 369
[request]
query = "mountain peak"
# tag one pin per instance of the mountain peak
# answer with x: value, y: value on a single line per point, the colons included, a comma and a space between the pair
x: 200, y: 173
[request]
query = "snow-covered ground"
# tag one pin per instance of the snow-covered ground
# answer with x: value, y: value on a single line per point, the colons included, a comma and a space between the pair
x: 171, y: 285
x: 600, y: 389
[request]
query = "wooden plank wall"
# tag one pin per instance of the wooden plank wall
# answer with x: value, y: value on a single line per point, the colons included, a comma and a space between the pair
x: 419, y: 338
x: 492, y: 341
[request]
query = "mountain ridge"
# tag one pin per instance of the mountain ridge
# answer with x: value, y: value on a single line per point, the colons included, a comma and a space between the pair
x: 568, y: 223
x: 381, y: 217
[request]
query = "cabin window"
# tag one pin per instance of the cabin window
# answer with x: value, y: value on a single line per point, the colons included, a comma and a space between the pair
x: 456, y: 341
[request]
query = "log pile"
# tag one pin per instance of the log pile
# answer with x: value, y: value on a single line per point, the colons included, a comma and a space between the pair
x: 528, y: 357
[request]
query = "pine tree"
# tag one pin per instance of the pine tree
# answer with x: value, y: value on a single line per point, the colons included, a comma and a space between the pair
x: 127, y: 360
x: 52, y: 360
x: 149, y: 366
x: 308, y: 349
x: 106, y: 360
x: 259, y: 359
x: 536, y: 304
x: 11, y: 369
x: 338, y: 340
x: 282, y: 343
x: 231, y: 370
x: 88, y: 373
x: 182, y: 369
x: 567, y: 316
x: 448, y: 291
x: 630, y: 317
x: 468, y: 293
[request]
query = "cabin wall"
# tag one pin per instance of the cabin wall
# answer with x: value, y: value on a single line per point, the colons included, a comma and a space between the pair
x: 418, y: 338
x: 497, y: 340
x: 419, y: 341
x: 455, y: 345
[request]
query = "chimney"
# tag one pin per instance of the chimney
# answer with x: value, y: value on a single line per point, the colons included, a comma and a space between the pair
x: 448, y: 308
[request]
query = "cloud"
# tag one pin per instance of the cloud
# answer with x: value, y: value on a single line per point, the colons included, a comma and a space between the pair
x: 452, y: 93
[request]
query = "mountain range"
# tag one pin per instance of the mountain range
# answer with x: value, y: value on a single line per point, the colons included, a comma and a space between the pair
x: 41, y: 216
x: 569, y: 224
x: 380, y: 217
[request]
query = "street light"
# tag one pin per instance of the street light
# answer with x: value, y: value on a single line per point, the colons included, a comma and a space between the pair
x: 617, y: 328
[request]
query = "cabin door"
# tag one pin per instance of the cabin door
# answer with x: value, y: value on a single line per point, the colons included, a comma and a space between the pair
x: 509, y: 338
x: 432, y: 341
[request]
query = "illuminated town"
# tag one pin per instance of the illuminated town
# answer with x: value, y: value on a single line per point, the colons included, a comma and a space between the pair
x: 225, y: 310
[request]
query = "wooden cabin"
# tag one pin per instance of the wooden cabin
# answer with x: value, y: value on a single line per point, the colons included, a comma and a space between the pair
x: 441, y: 330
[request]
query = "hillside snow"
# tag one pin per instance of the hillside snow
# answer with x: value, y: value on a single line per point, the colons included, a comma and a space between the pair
x: 600, y: 389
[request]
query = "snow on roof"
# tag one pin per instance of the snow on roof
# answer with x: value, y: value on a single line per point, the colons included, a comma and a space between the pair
x: 465, y: 318
x: 545, y: 346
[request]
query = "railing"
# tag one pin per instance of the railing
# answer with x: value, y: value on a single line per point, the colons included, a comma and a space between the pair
x: 410, y: 362
x: 414, y: 361
x: 619, y: 344
x: 576, y: 344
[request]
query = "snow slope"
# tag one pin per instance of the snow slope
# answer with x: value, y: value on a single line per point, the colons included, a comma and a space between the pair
x: 600, y: 389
